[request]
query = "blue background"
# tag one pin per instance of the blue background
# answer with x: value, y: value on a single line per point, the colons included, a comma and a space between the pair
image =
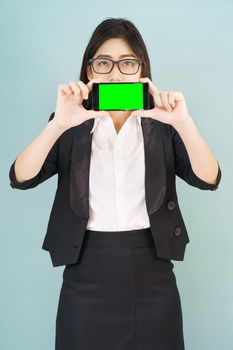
x: 190, y: 46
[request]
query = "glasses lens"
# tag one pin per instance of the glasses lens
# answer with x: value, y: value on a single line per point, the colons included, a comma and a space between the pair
x: 101, y: 65
x: 129, y: 66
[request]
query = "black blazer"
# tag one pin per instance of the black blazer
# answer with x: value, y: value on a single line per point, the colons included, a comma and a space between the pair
x: 165, y: 157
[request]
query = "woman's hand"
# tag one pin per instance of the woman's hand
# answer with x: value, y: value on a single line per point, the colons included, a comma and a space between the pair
x: 69, y: 109
x: 170, y: 107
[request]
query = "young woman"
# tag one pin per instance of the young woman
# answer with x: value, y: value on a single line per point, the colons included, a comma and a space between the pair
x: 115, y: 222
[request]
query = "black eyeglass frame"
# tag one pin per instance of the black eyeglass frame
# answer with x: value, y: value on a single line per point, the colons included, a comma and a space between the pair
x: 90, y: 61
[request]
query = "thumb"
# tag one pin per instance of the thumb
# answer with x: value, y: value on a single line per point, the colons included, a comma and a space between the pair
x: 96, y: 114
x: 101, y: 114
x: 134, y: 113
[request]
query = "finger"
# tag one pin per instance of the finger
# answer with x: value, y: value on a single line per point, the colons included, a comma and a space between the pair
x: 143, y: 113
x: 65, y: 89
x: 156, y: 114
x: 71, y: 92
x: 101, y: 114
x: 61, y: 90
x: 157, y: 99
x: 171, y: 99
x: 178, y: 96
x: 164, y: 98
x: 152, y: 87
x: 83, y: 89
x: 91, y: 82
x: 75, y: 88
x: 154, y: 91
x: 97, y: 114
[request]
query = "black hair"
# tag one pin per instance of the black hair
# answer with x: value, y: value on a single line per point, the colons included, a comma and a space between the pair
x: 116, y: 28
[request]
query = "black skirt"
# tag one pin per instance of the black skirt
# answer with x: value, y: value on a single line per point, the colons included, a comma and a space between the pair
x: 119, y: 296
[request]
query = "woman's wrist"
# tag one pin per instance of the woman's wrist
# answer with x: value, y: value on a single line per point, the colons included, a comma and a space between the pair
x: 58, y: 130
x: 184, y: 125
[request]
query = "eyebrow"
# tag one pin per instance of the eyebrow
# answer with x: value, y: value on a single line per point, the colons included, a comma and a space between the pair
x: 125, y: 55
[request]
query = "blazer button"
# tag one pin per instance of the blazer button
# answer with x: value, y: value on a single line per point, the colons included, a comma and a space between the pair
x: 171, y: 205
x: 177, y: 231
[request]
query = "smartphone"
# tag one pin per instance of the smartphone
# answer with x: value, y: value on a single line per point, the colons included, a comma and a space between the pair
x: 120, y: 96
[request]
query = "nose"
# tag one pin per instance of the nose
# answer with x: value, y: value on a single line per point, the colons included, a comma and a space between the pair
x: 115, y: 74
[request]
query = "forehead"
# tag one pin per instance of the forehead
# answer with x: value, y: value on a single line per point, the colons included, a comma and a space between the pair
x: 114, y: 47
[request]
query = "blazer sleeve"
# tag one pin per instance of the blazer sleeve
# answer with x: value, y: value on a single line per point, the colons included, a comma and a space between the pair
x: 48, y: 169
x: 183, y: 165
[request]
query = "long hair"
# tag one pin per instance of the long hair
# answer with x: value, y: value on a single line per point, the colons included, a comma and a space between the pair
x: 116, y: 28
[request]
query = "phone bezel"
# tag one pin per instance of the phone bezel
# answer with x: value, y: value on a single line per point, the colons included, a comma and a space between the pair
x: 95, y: 96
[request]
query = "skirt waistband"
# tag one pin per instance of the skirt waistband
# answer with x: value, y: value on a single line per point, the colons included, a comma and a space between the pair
x: 113, y: 239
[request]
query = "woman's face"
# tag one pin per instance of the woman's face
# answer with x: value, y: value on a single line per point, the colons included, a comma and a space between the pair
x: 115, y: 49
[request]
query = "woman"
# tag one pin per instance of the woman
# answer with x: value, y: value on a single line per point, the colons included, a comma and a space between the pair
x: 115, y: 222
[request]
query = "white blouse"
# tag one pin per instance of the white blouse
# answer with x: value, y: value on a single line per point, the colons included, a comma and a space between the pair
x: 117, y: 177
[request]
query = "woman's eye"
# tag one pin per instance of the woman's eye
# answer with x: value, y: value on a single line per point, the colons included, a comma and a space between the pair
x: 128, y: 63
x: 103, y: 63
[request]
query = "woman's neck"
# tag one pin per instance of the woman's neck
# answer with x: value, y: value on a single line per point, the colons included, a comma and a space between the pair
x: 118, y: 118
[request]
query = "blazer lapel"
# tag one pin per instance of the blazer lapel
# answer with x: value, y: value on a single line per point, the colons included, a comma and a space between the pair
x: 155, y: 171
x: 79, y: 169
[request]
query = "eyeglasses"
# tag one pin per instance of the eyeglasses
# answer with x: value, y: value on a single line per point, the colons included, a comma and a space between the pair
x: 105, y: 66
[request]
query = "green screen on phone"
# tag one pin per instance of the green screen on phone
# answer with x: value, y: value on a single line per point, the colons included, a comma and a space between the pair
x: 121, y: 96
